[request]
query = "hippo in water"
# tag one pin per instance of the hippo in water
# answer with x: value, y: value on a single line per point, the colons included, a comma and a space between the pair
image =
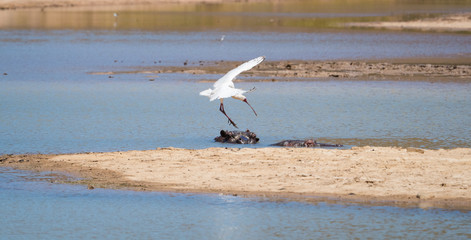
x: 237, y: 137
x: 304, y: 143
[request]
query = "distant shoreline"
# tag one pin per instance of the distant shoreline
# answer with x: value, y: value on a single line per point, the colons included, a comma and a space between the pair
x: 366, y: 175
x: 453, y: 22
x: 41, y: 4
x: 457, y: 22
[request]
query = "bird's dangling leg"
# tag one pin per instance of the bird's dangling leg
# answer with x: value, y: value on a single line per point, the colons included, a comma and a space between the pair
x: 245, y: 100
x: 221, y: 108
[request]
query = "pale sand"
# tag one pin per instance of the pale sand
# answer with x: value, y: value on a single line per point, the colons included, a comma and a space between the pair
x: 391, y: 176
x: 455, y: 22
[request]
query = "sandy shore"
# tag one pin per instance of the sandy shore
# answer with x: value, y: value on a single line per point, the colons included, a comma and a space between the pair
x: 373, y: 175
x: 453, y: 23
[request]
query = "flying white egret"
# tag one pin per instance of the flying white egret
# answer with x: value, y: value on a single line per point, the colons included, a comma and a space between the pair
x: 224, y: 87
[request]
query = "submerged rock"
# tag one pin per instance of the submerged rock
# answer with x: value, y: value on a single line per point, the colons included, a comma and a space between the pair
x: 237, y: 137
x: 304, y: 143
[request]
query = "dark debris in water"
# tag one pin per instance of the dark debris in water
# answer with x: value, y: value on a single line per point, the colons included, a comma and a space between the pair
x: 248, y: 137
x: 237, y: 137
x: 304, y: 143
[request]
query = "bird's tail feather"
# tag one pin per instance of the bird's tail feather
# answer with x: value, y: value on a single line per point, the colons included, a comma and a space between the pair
x: 206, y: 92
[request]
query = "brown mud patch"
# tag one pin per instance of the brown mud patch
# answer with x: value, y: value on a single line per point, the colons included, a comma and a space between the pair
x: 455, y: 70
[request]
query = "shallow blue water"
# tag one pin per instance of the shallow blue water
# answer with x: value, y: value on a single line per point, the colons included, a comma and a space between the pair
x: 61, y: 54
x: 41, y: 210
x: 126, y: 114
x: 50, y: 102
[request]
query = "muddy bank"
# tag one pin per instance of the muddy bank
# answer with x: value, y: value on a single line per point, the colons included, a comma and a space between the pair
x: 375, y: 175
x: 448, y: 23
x: 365, y: 70
x: 433, y: 70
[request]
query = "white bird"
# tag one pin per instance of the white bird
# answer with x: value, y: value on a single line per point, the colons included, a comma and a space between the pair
x: 224, y: 87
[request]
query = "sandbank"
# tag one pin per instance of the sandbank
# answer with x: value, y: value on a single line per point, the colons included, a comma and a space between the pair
x: 373, y: 175
x: 432, y: 69
x: 449, y: 23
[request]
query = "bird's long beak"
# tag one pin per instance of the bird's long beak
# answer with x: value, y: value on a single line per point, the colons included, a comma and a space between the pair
x: 245, y: 100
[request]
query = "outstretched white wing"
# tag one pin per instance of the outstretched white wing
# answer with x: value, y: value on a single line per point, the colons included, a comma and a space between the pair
x: 226, y: 80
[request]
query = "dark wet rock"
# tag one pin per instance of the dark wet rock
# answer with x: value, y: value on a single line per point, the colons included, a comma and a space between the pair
x: 237, y: 137
x: 304, y: 143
